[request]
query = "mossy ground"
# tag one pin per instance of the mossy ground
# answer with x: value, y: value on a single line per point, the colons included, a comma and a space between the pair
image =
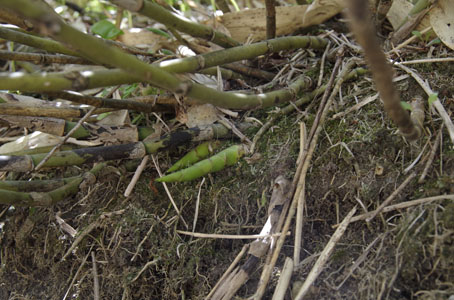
x: 140, y: 255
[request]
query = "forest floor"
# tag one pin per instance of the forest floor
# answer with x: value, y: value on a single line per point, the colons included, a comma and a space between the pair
x: 359, y: 160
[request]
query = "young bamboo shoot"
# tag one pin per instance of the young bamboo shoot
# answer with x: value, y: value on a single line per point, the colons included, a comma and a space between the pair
x: 200, y: 152
x: 215, y: 163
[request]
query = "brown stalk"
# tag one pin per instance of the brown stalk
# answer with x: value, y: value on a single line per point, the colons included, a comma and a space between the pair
x: 382, y: 72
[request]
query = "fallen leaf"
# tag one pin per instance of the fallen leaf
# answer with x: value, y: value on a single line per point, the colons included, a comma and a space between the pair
x: 115, y: 118
x: 199, y: 115
x: 251, y: 23
x: 31, y: 141
x: 399, y: 11
x: 39, y: 139
x: 142, y: 38
x: 442, y: 21
x: 321, y: 10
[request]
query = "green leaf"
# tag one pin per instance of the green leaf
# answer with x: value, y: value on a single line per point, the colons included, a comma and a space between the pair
x: 106, y: 29
x: 406, y: 105
x: 160, y: 32
x: 235, y: 5
x: 128, y: 90
x: 137, y: 119
x: 432, y: 98
x: 417, y: 33
x: 167, y: 52
x: 435, y: 41
x: 102, y: 116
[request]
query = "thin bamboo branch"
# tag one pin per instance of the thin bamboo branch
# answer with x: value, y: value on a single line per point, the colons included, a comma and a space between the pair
x: 197, y: 204
x: 34, y: 41
x: 408, y: 41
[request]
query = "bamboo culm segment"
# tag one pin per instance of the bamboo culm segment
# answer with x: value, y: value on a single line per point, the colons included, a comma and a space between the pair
x: 200, y: 152
x: 223, y: 159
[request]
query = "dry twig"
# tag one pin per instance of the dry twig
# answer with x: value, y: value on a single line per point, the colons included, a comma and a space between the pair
x: 431, y: 156
x: 228, y: 236
x: 301, y: 202
x: 360, y: 260
x: 437, y: 104
x: 136, y: 176
x: 300, y: 176
x: 324, y: 256
x: 391, y: 197
x: 77, y: 273
x: 56, y: 147
x: 196, y: 214
x: 229, y: 270
x: 95, y: 277
x: 168, y: 192
x: 284, y: 280
x: 401, y: 205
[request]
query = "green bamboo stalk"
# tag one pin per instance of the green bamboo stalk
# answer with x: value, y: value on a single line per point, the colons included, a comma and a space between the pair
x: 80, y: 132
x: 111, y: 103
x: 172, y: 20
x: 46, y: 198
x: 95, y: 49
x: 223, y: 159
x: 105, y: 153
x: 46, y: 149
x: 43, y: 58
x: 200, y: 152
x: 59, y: 81
x: 225, y: 73
x: 52, y: 82
x: 34, y: 41
x: 225, y: 56
x: 34, y: 185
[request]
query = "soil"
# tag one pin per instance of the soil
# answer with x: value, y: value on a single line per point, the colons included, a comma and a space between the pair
x: 359, y: 161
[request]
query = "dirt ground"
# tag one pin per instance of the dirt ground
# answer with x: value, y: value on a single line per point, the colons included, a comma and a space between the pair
x: 360, y: 160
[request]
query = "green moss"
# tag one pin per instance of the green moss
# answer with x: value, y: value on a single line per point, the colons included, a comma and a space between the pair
x: 448, y: 217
